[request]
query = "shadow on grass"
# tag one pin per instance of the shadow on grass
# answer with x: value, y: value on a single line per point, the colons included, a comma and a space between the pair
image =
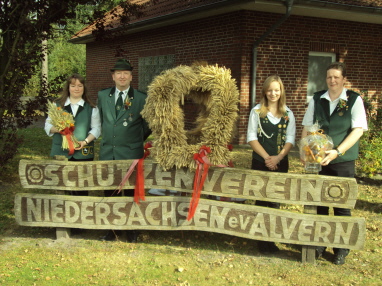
x: 368, y: 206
x: 175, y: 240
x: 29, y: 232
x: 369, y: 181
x: 216, y: 242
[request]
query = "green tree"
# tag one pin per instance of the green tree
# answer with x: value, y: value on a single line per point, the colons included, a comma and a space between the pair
x: 24, y: 24
x: 64, y: 58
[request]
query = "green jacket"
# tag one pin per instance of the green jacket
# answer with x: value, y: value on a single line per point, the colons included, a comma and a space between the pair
x: 82, y: 127
x: 338, y: 124
x: 123, y: 136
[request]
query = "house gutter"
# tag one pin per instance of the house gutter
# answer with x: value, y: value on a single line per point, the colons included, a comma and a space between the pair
x: 350, y: 7
x: 288, y: 4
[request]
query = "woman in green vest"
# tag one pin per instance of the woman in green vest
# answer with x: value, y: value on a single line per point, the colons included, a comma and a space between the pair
x: 271, y: 134
x: 75, y: 100
x: 341, y: 114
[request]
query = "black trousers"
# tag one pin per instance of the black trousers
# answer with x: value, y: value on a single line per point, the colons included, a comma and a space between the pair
x: 283, y: 167
x: 113, y: 193
x: 343, y: 169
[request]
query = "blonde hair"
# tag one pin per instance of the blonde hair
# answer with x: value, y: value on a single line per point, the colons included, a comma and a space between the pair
x: 264, y: 100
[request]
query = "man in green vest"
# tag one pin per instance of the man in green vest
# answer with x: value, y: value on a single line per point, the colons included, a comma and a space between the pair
x: 341, y: 114
x: 123, y: 128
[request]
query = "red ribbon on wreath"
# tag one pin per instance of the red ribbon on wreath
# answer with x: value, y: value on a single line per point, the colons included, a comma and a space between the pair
x: 68, y: 132
x: 202, y: 166
x: 230, y: 148
x: 139, y: 190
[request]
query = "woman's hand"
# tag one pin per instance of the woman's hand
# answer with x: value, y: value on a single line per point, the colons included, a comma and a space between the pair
x: 82, y: 145
x: 54, y: 130
x: 271, y: 162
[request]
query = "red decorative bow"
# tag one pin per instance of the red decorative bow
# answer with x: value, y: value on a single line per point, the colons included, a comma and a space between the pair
x: 139, y: 191
x: 203, y: 164
x: 68, y: 132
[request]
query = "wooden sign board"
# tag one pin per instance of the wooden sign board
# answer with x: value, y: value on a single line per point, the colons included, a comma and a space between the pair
x: 286, y: 188
x: 170, y: 213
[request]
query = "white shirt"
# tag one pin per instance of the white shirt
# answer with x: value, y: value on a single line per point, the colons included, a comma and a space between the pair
x: 95, y: 123
x: 253, y: 124
x: 358, y: 114
x: 117, y: 91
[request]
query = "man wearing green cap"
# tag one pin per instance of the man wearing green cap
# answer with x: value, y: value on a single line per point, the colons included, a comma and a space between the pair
x: 123, y: 128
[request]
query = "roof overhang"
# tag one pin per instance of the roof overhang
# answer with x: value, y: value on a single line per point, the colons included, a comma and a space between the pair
x: 323, y: 9
x: 308, y: 8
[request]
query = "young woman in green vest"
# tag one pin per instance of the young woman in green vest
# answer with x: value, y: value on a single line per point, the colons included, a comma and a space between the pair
x: 341, y: 114
x: 271, y: 134
x: 75, y: 100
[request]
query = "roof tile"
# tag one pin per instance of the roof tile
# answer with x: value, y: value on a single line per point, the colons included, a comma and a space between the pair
x: 165, y: 7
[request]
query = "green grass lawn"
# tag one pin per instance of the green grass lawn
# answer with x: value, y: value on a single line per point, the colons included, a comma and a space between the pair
x: 32, y: 255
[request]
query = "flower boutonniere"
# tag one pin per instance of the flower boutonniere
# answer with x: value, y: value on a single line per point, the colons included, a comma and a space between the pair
x: 342, y: 106
x: 285, y: 116
x: 128, y: 103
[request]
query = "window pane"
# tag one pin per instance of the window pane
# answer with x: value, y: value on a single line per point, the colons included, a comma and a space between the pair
x: 150, y: 67
x: 318, y: 62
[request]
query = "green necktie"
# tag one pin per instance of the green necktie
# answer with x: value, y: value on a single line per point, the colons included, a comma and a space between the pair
x: 119, y: 104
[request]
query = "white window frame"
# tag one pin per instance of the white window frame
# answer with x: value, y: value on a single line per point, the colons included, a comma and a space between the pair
x: 320, y: 82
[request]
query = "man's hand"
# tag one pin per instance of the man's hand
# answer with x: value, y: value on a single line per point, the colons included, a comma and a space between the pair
x: 330, y: 156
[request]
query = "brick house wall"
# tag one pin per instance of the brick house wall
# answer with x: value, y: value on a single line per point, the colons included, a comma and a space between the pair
x: 227, y: 40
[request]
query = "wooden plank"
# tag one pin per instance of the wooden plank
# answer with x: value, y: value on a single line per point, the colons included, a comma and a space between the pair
x: 287, y: 188
x: 170, y: 213
x: 308, y: 253
x: 62, y: 232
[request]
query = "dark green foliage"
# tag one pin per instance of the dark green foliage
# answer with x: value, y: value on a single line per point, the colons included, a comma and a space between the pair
x: 369, y: 163
x: 24, y: 24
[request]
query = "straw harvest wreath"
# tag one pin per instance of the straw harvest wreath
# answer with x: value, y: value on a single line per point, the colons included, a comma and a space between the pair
x: 210, y: 86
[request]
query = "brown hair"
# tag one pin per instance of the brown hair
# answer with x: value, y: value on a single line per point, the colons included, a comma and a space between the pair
x: 264, y: 100
x: 338, y: 66
x: 65, y: 91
